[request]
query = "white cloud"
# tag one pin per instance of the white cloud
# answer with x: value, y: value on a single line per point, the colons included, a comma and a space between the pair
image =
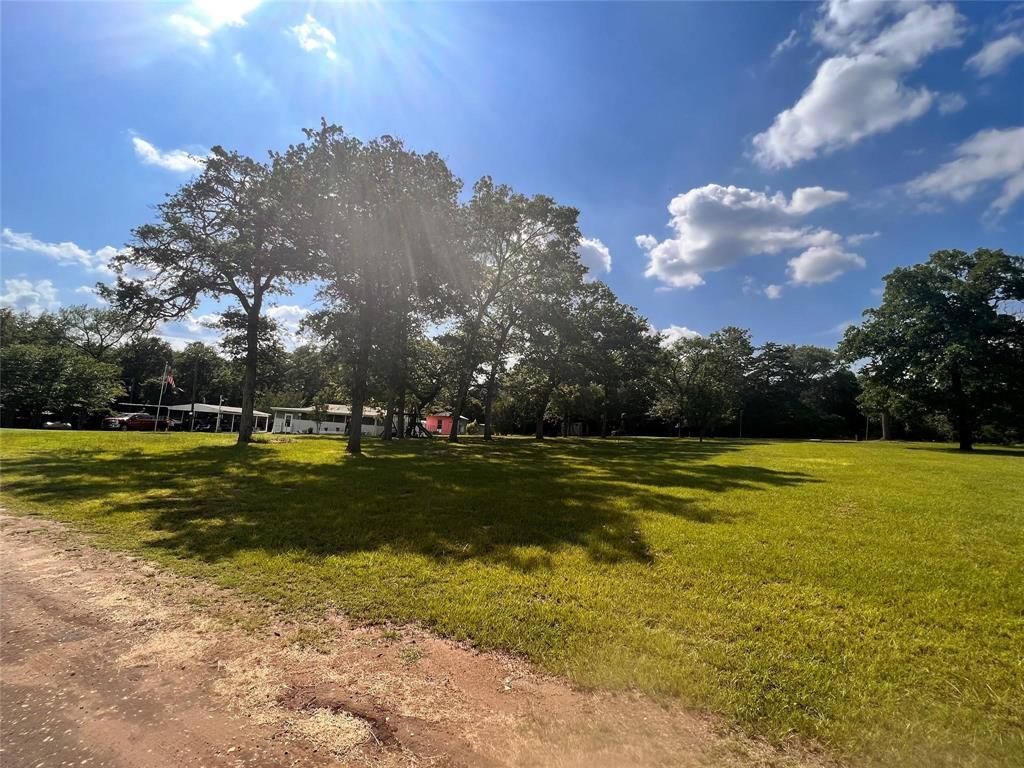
x: 807, y: 199
x: 178, y: 160
x: 860, y: 90
x: 201, y: 323
x: 789, y: 42
x: 996, y: 55
x: 201, y: 18
x: 314, y: 36
x: 646, y: 241
x: 181, y: 333
x: 858, y: 239
x: 676, y: 332
x: 289, y: 317
x: 715, y: 227
x: 753, y: 287
x: 89, y: 291
x: 594, y: 255
x: 822, y: 264
x: 25, y: 296
x: 951, y: 102
x: 989, y: 157
x: 65, y: 254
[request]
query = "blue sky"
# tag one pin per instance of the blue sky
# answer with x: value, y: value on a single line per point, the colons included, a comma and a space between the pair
x: 682, y: 132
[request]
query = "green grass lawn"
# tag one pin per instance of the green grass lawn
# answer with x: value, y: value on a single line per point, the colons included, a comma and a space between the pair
x: 868, y: 596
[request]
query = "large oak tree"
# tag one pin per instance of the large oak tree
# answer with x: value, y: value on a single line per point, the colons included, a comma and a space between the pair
x: 388, y: 231
x: 234, y: 231
x: 947, y: 338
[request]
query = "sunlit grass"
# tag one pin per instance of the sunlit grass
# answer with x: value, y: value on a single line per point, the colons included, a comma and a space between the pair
x: 869, y: 596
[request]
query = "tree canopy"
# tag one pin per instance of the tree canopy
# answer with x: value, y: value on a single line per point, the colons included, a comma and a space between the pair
x: 948, y: 337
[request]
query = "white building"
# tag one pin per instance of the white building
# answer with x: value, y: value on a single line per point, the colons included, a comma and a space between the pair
x: 220, y: 418
x: 300, y: 421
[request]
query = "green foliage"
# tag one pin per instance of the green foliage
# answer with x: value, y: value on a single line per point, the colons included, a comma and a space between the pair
x: 387, y: 228
x: 945, y: 340
x: 237, y: 230
x: 864, y: 595
x: 800, y: 391
x: 522, y: 251
x: 59, y: 380
x: 705, y: 380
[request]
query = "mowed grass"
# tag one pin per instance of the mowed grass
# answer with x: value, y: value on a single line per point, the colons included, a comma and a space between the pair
x: 866, y: 596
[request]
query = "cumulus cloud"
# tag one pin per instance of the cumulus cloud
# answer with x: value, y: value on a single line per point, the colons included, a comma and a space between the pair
x: 26, y: 296
x: 288, y: 318
x: 314, y: 36
x: 822, y: 264
x: 715, y: 227
x: 676, y: 332
x: 996, y: 55
x: 951, y: 102
x: 773, y: 291
x: 178, y: 160
x: 988, y: 158
x: 65, y: 254
x: 860, y: 90
x: 807, y: 199
x: 595, y: 255
x: 199, y: 19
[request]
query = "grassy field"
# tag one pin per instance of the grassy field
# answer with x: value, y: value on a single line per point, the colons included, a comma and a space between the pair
x: 868, y: 596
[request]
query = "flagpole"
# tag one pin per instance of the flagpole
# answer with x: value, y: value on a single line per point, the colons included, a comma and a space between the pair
x: 163, y: 383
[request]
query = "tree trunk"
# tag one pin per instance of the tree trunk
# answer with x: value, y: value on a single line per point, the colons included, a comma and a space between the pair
x: 604, y: 422
x: 360, y: 372
x: 886, y: 425
x: 460, y: 402
x: 401, y: 414
x: 964, y: 428
x: 389, y: 420
x: 542, y: 409
x: 492, y: 387
x: 468, y: 366
x: 249, y: 379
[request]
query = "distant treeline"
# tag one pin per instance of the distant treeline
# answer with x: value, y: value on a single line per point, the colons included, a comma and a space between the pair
x: 483, y: 308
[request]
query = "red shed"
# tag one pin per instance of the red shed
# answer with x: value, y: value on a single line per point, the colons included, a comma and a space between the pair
x: 441, y: 423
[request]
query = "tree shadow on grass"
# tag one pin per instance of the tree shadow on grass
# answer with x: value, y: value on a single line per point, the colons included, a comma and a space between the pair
x: 510, y: 502
x: 976, y: 451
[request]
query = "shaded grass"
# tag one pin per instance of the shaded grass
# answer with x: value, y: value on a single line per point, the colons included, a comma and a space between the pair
x: 868, y: 596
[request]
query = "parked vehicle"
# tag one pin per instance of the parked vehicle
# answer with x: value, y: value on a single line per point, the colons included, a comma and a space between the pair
x: 136, y: 422
x: 56, y: 425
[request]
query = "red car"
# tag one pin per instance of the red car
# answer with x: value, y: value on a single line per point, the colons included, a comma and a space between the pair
x: 137, y: 422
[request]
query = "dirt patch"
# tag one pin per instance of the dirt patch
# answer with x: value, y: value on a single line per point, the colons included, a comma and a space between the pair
x: 123, y: 663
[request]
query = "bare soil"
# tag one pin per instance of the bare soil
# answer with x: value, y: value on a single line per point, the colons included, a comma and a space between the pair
x: 108, y: 660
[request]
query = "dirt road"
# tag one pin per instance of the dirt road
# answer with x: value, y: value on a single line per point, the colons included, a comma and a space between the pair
x: 108, y: 661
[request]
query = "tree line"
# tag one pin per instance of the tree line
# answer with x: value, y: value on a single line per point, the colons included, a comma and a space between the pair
x: 483, y: 307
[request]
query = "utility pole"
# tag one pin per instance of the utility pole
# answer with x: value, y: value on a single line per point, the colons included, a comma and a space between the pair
x: 219, y: 405
x: 195, y: 378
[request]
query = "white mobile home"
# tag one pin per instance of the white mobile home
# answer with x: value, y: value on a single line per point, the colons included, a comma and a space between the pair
x: 335, y: 421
